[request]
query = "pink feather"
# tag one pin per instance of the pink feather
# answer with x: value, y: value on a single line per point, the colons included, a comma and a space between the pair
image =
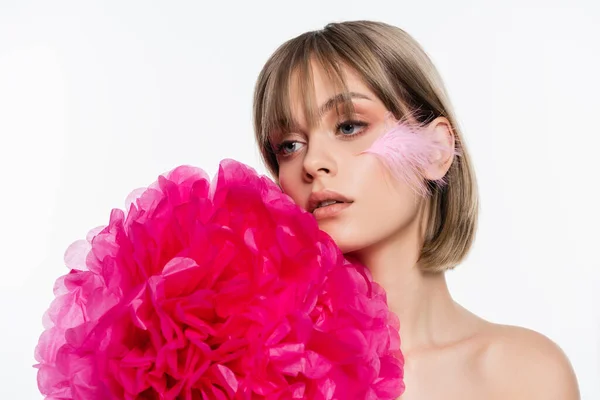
x: 406, y: 149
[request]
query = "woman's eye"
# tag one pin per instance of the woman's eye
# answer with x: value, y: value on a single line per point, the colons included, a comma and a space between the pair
x: 350, y: 128
x: 289, y: 147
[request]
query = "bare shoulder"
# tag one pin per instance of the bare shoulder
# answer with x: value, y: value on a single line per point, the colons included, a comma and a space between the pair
x: 524, y: 364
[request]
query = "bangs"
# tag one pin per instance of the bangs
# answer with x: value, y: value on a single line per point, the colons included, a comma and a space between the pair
x: 293, y: 71
x: 285, y: 85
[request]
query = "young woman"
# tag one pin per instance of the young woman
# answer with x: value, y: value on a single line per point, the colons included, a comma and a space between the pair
x: 321, y: 100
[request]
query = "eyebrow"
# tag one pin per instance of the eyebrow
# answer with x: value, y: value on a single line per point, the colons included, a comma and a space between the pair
x: 340, y: 98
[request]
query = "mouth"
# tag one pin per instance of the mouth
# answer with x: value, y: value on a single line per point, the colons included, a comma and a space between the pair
x: 326, y: 198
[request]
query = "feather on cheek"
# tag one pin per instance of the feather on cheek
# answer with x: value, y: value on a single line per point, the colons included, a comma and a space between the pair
x: 407, y: 150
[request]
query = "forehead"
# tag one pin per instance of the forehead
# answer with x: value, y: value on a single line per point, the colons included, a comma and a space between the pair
x: 325, y: 82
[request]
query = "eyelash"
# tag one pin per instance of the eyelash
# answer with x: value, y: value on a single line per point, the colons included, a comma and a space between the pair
x: 355, y: 123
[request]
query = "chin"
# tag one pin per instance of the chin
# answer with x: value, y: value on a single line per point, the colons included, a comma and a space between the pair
x: 347, y: 243
x: 348, y: 249
x: 349, y: 236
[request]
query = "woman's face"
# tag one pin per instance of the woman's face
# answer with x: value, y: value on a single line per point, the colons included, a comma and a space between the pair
x: 323, y: 164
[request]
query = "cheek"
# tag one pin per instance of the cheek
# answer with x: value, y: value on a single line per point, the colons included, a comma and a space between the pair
x: 291, y: 186
x: 371, y: 176
x: 284, y: 183
x: 406, y: 152
x: 383, y: 195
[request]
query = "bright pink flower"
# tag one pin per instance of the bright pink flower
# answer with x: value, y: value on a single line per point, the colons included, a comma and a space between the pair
x: 216, y: 291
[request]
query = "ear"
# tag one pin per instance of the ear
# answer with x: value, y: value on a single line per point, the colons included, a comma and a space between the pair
x: 440, y: 131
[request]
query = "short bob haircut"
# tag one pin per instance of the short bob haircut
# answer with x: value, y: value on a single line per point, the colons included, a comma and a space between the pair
x: 395, y: 67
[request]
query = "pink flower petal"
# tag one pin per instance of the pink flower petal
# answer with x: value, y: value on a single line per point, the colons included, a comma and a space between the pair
x: 222, y: 290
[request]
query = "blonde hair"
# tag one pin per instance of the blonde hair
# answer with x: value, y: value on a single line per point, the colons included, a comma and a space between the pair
x: 395, y: 67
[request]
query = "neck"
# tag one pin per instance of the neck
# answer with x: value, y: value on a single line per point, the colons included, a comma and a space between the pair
x: 421, y: 301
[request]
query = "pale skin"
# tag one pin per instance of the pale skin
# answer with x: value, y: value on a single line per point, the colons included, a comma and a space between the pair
x: 450, y: 353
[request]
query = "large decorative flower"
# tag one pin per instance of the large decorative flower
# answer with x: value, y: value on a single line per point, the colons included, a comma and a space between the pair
x: 222, y: 290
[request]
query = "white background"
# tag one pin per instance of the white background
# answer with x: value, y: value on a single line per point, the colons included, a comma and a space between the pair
x: 99, y: 98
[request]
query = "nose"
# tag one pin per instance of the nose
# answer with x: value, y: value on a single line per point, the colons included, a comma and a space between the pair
x: 319, y: 160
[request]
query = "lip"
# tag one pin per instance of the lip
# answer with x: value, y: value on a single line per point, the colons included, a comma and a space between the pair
x: 327, y: 211
x: 330, y: 211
